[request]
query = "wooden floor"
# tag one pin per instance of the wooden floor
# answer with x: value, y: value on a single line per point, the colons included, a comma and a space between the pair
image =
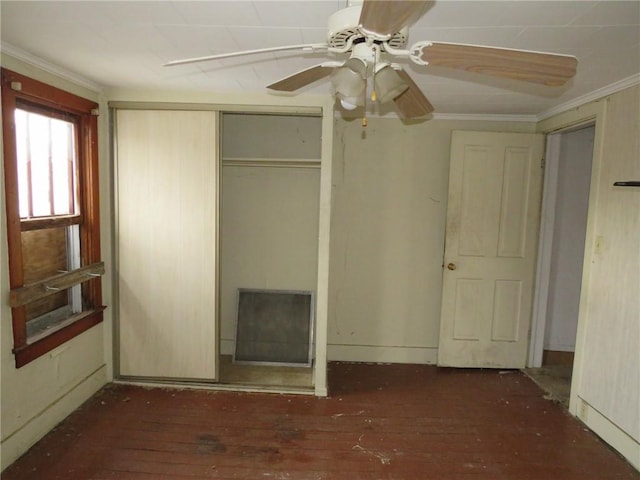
x: 380, y: 422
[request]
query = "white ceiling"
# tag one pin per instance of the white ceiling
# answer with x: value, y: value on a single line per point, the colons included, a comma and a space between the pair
x: 125, y: 44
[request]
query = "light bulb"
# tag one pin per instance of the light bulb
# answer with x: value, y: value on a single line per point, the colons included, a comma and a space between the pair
x: 347, y: 105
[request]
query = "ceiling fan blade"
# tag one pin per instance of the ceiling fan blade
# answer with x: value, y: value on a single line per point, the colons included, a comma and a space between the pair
x: 304, y: 77
x: 304, y: 48
x: 412, y: 103
x: 535, y: 67
x: 388, y: 17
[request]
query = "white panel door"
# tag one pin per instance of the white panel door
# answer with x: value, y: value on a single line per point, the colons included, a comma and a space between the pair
x: 166, y: 241
x: 490, y: 249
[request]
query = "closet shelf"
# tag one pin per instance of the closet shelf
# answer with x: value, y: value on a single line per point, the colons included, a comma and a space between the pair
x: 271, y: 162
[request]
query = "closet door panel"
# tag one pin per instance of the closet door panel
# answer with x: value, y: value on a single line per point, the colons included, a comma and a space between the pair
x: 166, y: 240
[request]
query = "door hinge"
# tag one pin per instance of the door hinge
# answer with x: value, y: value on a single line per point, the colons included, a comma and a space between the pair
x: 542, y: 163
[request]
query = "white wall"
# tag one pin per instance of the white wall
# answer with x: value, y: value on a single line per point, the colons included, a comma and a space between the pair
x: 387, y: 236
x: 39, y: 395
x: 570, y: 223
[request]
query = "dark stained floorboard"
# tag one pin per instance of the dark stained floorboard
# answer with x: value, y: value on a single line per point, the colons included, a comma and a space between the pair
x: 381, y: 422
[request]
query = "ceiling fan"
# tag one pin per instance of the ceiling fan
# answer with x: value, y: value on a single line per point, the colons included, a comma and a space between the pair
x: 373, y: 33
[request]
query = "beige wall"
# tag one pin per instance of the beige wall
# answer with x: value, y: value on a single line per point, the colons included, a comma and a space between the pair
x: 387, y: 236
x: 37, y: 396
x: 269, y: 224
x: 605, y: 390
x: 606, y: 385
x: 612, y: 313
x: 269, y: 235
x: 611, y: 369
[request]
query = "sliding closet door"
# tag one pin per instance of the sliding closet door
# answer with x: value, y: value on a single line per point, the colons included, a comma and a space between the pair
x: 166, y: 241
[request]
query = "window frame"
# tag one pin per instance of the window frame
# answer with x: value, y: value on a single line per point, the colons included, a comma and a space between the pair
x: 32, y: 108
x: 17, y: 89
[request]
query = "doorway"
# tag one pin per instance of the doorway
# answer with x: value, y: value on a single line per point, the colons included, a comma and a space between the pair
x: 490, y: 250
x: 270, y: 194
x: 561, y: 254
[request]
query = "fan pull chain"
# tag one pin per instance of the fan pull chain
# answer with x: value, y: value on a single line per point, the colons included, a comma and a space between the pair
x: 364, y: 114
x: 374, y: 95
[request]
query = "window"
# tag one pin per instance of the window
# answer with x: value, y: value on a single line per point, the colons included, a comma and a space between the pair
x: 51, y: 186
x: 46, y: 158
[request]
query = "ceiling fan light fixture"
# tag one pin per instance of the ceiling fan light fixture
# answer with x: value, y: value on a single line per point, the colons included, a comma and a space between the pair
x: 388, y: 83
x: 349, y: 80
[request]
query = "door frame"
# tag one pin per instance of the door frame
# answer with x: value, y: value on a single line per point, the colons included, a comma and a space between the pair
x: 545, y: 241
x: 592, y: 113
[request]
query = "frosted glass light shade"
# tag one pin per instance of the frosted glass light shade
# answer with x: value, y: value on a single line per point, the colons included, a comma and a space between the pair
x: 388, y: 84
x: 348, y: 80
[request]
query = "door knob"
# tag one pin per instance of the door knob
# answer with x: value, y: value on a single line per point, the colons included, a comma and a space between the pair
x: 451, y: 266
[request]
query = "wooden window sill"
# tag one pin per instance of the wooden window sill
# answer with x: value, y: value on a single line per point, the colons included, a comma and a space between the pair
x: 37, y: 347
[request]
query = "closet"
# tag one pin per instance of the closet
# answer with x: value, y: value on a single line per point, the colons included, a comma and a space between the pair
x: 270, y: 192
x: 216, y: 210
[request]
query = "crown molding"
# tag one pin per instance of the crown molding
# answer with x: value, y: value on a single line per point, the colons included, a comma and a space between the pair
x: 479, y: 117
x: 48, y: 67
x: 591, y: 96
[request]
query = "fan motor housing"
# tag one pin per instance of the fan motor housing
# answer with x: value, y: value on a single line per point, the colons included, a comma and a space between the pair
x: 344, y: 30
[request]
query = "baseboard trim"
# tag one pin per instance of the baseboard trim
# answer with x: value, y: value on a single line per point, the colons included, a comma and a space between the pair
x: 21, y: 440
x: 621, y: 441
x: 557, y: 357
x: 382, y: 354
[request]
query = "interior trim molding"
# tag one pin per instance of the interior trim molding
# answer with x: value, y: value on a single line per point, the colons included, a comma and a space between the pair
x: 479, y: 117
x: 611, y: 433
x: 533, y: 118
x: 591, y: 96
x: 32, y: 430
x: 382, y: 354
x: 48, y: 67
x: 474, y: 117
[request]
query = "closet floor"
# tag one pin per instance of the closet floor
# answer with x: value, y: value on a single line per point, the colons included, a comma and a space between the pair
x: 264, y: 375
